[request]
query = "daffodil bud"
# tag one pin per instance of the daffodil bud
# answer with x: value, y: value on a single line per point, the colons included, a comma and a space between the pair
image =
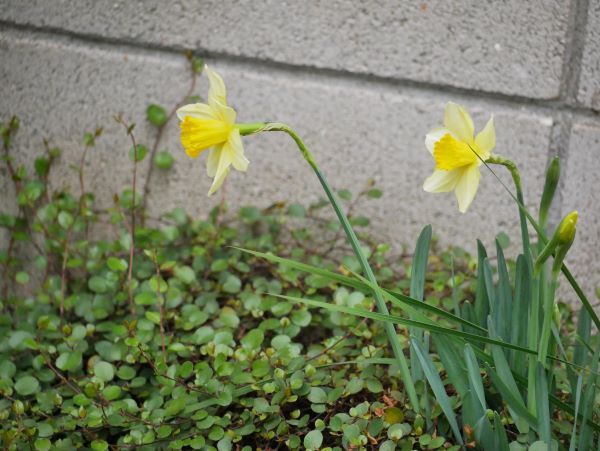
x: 560, y: 242
x: 567, y: 228
x: 552, y: 177
x: 566, y: 235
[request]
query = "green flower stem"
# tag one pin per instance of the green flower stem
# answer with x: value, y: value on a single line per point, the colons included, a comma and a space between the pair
x: 514, y: 172
x: 545, y: 337
x: 353, y: 239
x: 532, y: 342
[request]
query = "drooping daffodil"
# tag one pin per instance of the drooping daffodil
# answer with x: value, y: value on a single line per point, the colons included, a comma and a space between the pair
x: 458, y: 155
x: 212, y: 127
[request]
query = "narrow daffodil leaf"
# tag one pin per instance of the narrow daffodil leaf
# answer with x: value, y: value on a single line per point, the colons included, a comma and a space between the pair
x: 396, y: 298
x: 438, y: 388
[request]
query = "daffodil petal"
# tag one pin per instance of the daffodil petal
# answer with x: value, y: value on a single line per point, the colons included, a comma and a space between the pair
x: 458, y: 121
x: 197, y: 110
x: 467, y: 185
x: 224, y: 113
x: 223, y: 168
x: 236, y: 148
x: 216, y: 90
x: 486, y: 139
x: 450, y: 153
x: 218, y: 181
x: 434, y: 136
x: 442, y: 181
x: 212, y: 162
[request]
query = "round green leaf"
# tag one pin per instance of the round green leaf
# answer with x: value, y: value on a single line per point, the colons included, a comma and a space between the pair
x: 164, y: 160
x: 98, y: 284
x: 185, y: 274
x: 111, y: 392
x: 313, y: 440
x: 104, y: 371
x: 68, y: 361
x: 99, y: 445
x: 126, y: 373
x: 156, y: 115
x: 27, y: 385
x: 139, y: 153
x: 117, y: 264
x: 42, y: 444
x: 253, y: 339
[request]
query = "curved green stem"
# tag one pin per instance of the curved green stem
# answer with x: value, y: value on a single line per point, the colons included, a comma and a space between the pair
x: 364, y: 264
x: 514, y: 172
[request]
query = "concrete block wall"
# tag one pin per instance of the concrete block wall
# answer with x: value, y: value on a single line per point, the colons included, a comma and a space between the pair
x: 361, y: 81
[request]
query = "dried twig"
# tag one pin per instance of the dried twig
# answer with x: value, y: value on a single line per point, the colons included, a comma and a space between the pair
x: 159, y: 136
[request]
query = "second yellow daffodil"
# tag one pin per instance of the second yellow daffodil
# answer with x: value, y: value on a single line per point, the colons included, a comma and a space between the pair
x: 212, y: 127
x: 458, y: 155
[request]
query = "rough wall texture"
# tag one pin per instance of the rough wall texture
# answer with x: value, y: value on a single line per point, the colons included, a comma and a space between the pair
x: 362, y: 81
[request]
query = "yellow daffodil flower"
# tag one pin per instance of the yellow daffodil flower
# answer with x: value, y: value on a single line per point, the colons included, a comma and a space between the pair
x: 453, y: 148
x: 212, y: 127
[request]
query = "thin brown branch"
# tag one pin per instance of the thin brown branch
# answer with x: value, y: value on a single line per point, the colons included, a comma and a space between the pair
x: 159, y: 136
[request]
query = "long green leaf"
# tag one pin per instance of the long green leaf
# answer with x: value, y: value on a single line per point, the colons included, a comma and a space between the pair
x: 504, y: 298
x: 501, y: 438
x: 505, y: 373
x: 453, y: 362
x: 584, y: 328
x: 482, y: 303
x: 586, y: 437
x: 573, y: 444
x: 419, y: 264
x: 396, y: 298
x: 475, y: 376
x: 520, y: 313
x: 543, y: 407
x: 417, y: 291
x: 512, y: 399
x: 438, y: 389
x: 408, y: 322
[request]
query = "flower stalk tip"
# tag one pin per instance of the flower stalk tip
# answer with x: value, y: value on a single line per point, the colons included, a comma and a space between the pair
x: 550, y: 185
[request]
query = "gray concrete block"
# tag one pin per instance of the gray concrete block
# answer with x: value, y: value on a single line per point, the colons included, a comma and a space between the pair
x: 356, y: 130
x: 589, y: 82
x: 510, y: 47
x: 582, y: 178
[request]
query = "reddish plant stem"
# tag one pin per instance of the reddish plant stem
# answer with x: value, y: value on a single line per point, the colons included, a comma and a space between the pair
x: 129, y: 130
x: 158, y: 138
